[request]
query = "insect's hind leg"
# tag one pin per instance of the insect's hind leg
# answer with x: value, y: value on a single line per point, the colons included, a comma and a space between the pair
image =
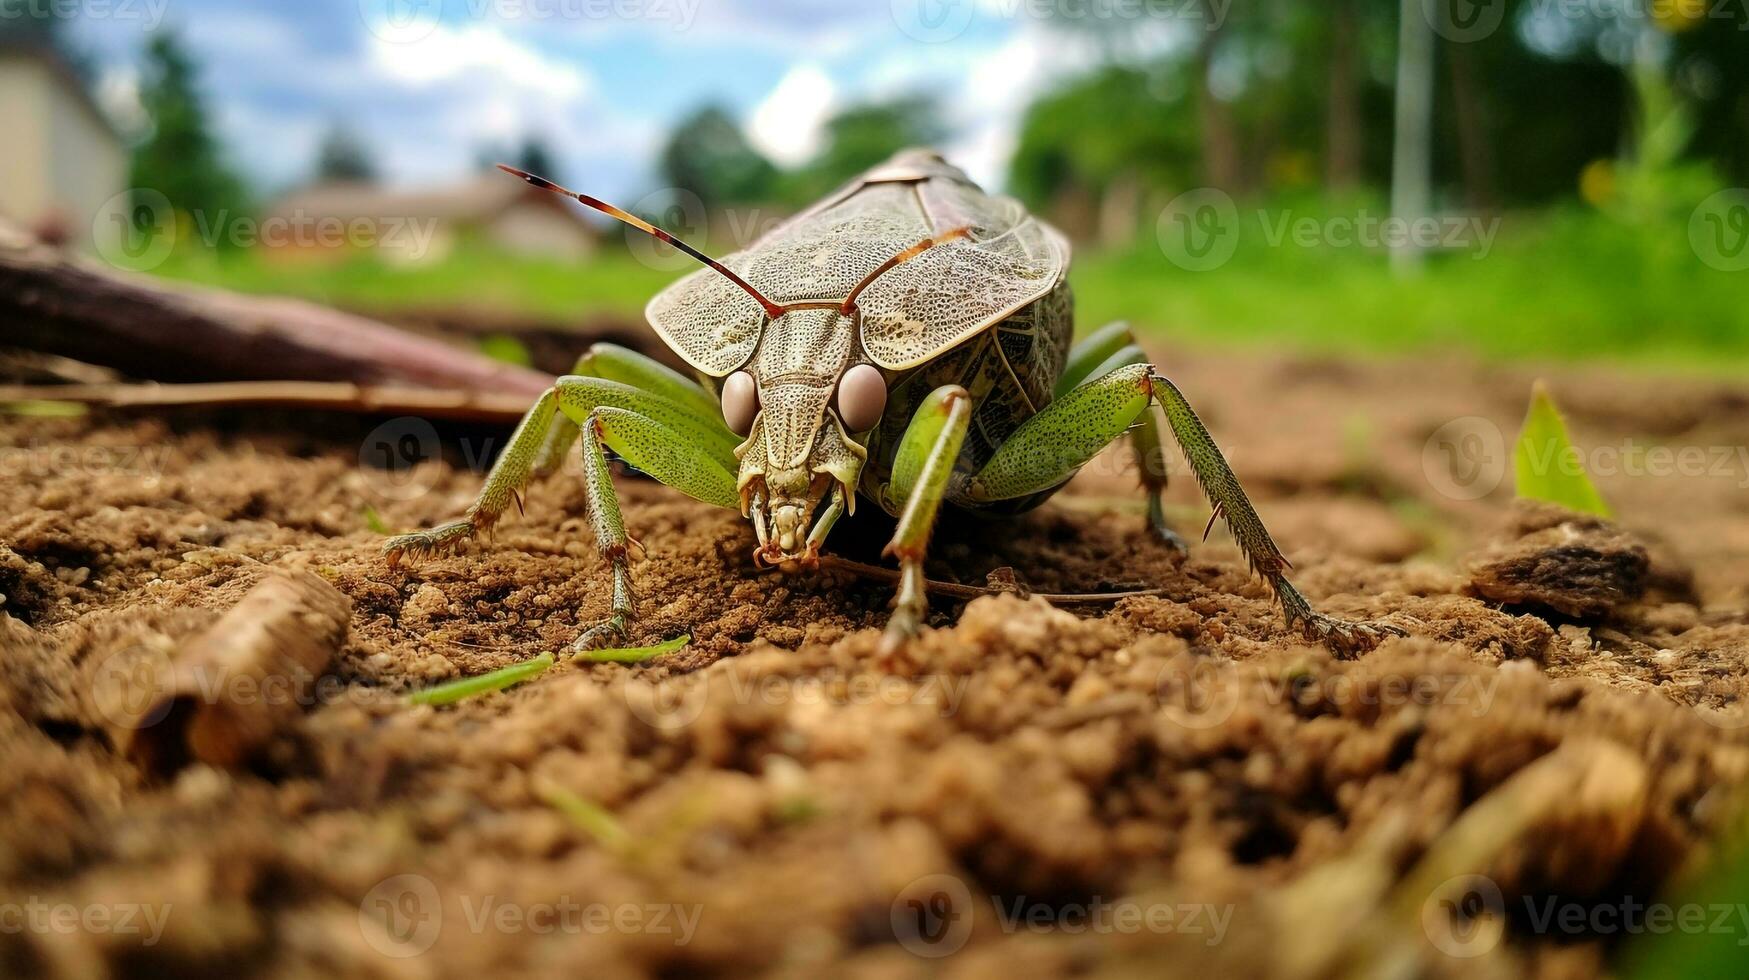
x: 1097, y: 355
x: 1049, y: 447
x: 921, y: 468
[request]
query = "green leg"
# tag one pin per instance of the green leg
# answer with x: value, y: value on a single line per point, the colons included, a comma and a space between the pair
x: 921, y: 469
x: 612, y: 362
x: 656, y: 449
x: 1119, y: 348
x: 1051, y: 445
x: 659, y: 436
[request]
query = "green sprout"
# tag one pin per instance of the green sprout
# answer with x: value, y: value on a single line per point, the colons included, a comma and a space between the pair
x: 1547, y: 464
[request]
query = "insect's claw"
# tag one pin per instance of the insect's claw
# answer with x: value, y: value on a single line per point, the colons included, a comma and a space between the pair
x: 1344, y: 638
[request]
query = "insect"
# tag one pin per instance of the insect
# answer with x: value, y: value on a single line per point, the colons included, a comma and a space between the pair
x: 905, y: 340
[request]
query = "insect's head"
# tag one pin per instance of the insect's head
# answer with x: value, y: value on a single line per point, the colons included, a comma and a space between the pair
x: 800, y: 402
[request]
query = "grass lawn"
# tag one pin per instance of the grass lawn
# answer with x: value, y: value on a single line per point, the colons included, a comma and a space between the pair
x: 1558, y: 285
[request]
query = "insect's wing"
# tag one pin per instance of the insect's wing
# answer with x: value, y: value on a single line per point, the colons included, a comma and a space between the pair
x: 924, y: 307
x: 709, y: 321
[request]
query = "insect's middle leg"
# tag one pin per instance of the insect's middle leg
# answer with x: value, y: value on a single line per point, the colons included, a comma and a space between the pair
x: 1049, y: 447
x: 1097, y: 355
x: 921, y: 469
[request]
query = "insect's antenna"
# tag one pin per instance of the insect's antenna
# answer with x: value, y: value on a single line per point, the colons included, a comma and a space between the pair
x: 772, y: 309
x: 907, y: 255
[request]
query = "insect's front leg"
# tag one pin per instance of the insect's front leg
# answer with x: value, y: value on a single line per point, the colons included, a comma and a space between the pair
x: 662, y: 437
x: 921, y: 468
x: 1049, y: 447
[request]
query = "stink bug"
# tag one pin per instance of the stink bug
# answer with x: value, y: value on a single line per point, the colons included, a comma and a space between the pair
x: 906, y: 339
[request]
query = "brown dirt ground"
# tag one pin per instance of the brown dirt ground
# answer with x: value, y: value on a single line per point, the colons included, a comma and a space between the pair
x: 773, y: 780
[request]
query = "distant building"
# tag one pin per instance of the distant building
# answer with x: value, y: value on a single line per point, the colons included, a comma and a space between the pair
x: 61, y: 159
x: 330, y: 221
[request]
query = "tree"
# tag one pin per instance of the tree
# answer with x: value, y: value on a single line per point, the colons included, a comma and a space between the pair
x: 861, y: 136
x: 344, y: 157
x: 708, y: 155
x: 181, y: 159
x: 535, y: 157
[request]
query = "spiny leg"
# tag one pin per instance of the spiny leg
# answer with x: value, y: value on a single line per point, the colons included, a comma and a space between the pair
x: 615, y: 363
x: 1052, y: 445
x: 921, y: 469
x: 511, y: 471
x: 1097, y: 355
x: 656, y: 449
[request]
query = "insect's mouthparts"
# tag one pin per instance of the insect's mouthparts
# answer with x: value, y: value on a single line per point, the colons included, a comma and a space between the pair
x: 782, y: 524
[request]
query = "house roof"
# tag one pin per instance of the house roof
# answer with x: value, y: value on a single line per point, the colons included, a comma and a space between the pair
x: 476, y: 198
x: 22, y: 44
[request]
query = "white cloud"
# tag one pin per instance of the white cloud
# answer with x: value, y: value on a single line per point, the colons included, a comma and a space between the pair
x: 448, y: 52
x: 786, y: 125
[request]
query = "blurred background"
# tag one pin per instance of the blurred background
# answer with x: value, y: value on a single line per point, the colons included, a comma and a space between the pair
x: 1514, y: 178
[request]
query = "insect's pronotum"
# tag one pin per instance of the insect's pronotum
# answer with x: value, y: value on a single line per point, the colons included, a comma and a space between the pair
x: 907, y: 339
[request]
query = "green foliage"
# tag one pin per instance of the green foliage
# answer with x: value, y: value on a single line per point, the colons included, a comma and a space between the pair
x: 635, y: 655
x: 503, y: 347
x: 1547, y: 465
x: 487, y: 683
x: 344, y: 157
x: 181, y: 159
x: 708, y: 155
x: 861, y: 136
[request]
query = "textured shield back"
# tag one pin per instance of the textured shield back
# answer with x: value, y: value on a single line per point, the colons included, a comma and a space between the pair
x: 910, y: 314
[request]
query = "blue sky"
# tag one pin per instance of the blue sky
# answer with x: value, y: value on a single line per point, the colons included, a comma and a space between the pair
x: 429, y: 82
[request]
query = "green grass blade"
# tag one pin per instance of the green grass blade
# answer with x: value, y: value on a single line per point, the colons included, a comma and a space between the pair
x: 590, y: 817
x: 496, y: 680
x: 635, y: 655
x: 1546, y: 463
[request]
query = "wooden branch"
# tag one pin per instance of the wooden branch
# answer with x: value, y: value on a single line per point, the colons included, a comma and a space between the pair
x: 153, y: 329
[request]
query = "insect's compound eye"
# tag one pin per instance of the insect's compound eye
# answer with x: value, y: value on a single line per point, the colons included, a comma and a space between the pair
x: 740, y: 402
x: 862, y: 397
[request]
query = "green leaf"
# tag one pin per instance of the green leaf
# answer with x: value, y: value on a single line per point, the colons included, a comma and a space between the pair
x: 496, y: 680
x: 590, y: 817
x: 44, y: 409
x: 1547, y: 464
x: 374, y: 520
x: 635, y: 655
